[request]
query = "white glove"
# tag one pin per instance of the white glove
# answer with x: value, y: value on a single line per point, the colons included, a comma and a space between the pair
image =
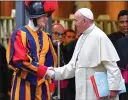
x: 51, y: 68
x: 50, y: 73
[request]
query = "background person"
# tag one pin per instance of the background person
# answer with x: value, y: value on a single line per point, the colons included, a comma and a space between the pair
x: 3, y: 74
x: 120, y: 41
x: 70, y: 35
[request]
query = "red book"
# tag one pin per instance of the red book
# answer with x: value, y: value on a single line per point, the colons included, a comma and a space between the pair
x: 100, y: 84
x: 94, y: 86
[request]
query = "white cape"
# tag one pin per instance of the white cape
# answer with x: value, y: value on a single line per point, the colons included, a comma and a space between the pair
x: 96, y: 48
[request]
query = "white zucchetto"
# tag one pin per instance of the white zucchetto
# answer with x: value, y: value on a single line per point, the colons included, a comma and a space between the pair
x: 86, y: 12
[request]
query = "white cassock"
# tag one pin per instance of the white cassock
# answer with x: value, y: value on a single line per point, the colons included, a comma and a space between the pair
x: 94, y: 52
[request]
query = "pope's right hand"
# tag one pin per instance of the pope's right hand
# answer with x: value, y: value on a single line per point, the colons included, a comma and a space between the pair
x: 50, y: 72
x: 51, y: 68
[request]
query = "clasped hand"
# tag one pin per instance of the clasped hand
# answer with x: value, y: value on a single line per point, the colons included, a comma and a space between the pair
x: 50, y: 73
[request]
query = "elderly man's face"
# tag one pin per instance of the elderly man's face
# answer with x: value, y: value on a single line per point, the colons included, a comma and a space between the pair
x: 79, y: 22
x: 123, y: 24
x: 58, y: 33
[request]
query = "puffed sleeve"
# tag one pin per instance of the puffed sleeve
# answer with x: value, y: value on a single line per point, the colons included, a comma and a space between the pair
x: 20, y: 58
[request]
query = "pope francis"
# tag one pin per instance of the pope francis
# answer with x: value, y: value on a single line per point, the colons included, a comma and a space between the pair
x: 94, y: 52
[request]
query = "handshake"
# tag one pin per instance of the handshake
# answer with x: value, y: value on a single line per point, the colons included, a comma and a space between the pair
x: 50, y: 73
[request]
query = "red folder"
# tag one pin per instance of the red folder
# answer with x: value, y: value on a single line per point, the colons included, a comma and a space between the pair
x: 100, y: 85
x: 95, y: 86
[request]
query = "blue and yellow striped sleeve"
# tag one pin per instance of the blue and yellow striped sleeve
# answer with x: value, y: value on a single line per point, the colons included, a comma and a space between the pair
x: 17, y: 55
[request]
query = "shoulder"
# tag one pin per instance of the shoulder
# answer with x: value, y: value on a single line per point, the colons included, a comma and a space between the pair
x: 98, y: 33
x: 71, y: 46
x: 18, y: 35
x: 72, y: 43
x: 123, y: 40
x: 48, y: 34
x: 45, y: 33
x: 19, y: 31
x: 117, y: 34
x: 98, y: 36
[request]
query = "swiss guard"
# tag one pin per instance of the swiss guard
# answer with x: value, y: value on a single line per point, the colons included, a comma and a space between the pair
x: 29, y: 51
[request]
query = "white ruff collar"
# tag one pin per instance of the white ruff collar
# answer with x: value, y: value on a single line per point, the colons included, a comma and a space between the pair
x: 31, y: 25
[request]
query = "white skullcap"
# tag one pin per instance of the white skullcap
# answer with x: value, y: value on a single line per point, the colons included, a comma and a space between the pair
x: 86, y: 12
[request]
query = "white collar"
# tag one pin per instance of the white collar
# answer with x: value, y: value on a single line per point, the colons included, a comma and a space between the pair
x: 31, y: 25
x: 89, y: 29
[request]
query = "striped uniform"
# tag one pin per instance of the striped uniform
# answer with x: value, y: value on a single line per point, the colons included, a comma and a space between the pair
x: 27, y: 52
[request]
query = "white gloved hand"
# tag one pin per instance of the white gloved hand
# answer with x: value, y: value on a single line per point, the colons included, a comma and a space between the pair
x: 51, y: 68
x: 50, y: 73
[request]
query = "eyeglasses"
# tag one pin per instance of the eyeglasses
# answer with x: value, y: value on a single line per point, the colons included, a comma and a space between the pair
x: 58, y: 34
